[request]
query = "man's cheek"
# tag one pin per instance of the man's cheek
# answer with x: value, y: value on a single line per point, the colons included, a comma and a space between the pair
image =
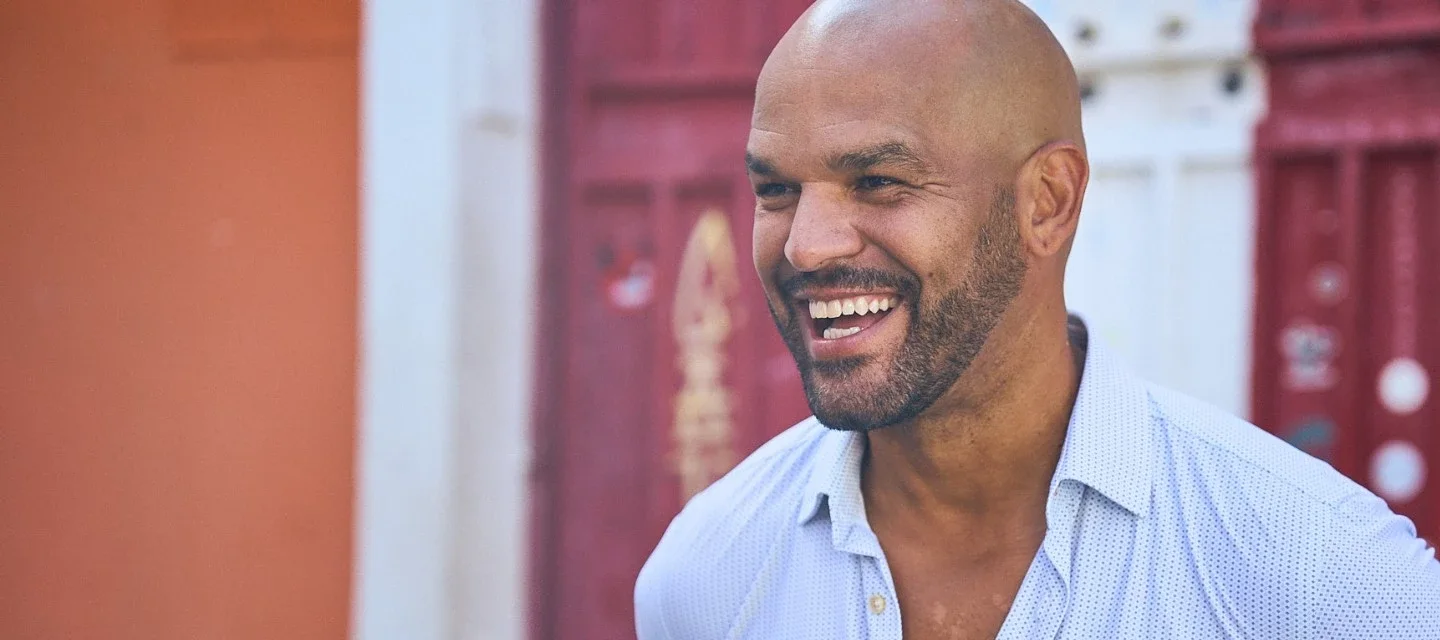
x: 769, y: 239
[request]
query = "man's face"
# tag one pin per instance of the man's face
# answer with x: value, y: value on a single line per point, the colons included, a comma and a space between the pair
x: 887, y: 248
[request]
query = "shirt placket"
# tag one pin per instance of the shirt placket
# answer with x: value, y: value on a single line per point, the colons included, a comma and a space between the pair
x: 1044, y: 601
x: 879, y: 608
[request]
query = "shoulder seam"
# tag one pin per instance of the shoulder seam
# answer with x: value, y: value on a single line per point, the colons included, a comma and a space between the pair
x: 1164, y: 416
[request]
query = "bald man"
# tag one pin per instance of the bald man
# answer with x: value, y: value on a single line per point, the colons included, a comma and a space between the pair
x: 976, y: 467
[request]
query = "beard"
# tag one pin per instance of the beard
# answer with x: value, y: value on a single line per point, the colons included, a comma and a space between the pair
x: 943, y: 339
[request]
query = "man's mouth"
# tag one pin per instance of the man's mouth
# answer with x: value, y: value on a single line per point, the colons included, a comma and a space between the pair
x: 844, y: 317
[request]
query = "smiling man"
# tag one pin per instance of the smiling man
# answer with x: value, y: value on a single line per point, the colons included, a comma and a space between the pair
x: 976, y: 467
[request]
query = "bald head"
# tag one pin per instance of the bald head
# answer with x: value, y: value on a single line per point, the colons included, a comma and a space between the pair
x: 990, y: 68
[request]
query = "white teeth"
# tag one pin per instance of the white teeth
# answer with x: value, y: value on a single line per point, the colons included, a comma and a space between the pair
x: 860, y: 305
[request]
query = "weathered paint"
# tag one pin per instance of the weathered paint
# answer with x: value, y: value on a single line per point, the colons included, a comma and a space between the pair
x: 659, y: 365
x: 1349, y: 201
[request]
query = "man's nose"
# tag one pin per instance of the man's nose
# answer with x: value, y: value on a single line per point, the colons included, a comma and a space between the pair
x: 821, y: 233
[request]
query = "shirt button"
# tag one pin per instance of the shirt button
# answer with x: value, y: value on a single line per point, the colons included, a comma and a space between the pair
x: 877, y: 604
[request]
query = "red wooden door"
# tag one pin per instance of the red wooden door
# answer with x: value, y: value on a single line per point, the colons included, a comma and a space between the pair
x: 659, y: 364
x: 1349, y: 243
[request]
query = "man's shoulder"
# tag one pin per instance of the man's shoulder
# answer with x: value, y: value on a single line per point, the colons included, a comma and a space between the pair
x: 766, y: 485
x: 704, y: 565
x: 1230, y: 455
x: 1288, y: 528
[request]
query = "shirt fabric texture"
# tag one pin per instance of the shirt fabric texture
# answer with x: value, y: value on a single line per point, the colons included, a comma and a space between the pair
x: 1167, y: 518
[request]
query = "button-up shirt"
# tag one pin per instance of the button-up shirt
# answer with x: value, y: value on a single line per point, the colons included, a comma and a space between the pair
x: 1167, y: 518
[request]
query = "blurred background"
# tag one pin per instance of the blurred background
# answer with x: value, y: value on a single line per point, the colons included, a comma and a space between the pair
x: 420, y: 319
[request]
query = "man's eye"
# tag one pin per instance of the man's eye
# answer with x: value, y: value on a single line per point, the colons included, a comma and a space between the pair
x: 771, y: 190
x: 871, y: 183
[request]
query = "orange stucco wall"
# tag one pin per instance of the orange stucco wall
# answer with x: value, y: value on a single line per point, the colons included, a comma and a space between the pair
x: 177, y: 318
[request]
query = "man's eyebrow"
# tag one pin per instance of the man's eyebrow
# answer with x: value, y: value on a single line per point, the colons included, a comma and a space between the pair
x: 758, y: 166
x: 890, y: 153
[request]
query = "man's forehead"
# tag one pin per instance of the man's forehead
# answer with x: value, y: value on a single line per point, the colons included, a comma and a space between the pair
x: 848, y: 77
x: 850, y: 110
x: 853, y: 151
x: 836, y: 83
x: 825, y: 103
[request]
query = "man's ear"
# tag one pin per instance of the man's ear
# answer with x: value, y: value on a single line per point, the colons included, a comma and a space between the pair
x: 1050, y: 193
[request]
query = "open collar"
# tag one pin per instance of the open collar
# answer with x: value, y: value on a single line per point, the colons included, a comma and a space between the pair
x: 1107, y: 444
x: 1107, y: 448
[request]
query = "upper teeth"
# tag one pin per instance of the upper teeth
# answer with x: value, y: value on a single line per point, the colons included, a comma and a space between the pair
x: 859, y: 305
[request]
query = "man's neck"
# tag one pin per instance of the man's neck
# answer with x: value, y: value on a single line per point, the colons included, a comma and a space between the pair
x: 985, y: 460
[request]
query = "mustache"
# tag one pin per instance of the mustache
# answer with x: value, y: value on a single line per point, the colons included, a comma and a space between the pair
x: 851, y: 278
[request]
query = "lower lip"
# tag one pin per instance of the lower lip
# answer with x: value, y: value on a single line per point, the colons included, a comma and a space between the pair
x: 849, y: 346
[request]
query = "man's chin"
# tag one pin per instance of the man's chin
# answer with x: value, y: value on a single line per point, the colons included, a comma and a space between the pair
x: 846, y: 401
x: 846, y: 419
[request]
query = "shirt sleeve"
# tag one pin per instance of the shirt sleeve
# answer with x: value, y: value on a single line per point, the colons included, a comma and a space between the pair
x: 1378, y: 581
x: 649, y: 599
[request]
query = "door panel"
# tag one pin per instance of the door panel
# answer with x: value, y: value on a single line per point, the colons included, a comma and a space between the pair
x: 1349, y: 168
x: 1400, y: 262
x: 1161, y: 267
x: 668, y: 369
x: 1112, y: 241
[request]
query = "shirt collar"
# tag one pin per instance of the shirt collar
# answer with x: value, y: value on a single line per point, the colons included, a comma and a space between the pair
x: 1106, y: 445
x: 834, y: 482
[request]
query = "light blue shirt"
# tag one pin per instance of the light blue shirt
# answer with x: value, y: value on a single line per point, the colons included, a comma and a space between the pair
x: 1167, y: 519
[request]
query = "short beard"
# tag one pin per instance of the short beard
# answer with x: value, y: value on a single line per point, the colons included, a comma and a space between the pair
x: 943, y: 339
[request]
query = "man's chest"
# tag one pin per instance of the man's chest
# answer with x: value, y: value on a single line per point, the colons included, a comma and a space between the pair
x: 969, y: 614
x: 857, y: 598
x: 1104, y: 586
x: 957, y: 601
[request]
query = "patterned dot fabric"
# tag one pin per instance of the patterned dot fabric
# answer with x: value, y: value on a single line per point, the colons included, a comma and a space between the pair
x: 1167, y: 519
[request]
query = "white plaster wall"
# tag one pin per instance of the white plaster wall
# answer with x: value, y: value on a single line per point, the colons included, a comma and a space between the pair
x: 500, y: 252
x: 1163, y: 265
x: 449, y: 152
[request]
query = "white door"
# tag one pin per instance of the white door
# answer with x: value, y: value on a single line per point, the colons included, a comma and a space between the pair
x: 1162, y: 268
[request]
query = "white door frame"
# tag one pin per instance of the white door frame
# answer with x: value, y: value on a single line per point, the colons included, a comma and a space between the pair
x: 1151, y: 118
x: 449, y: 115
